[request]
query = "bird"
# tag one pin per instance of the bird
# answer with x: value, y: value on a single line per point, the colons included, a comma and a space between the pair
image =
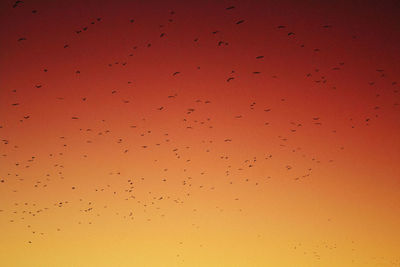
x: 17, y: 3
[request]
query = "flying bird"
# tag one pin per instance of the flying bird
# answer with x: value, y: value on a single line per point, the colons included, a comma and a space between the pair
x: 17, y: 3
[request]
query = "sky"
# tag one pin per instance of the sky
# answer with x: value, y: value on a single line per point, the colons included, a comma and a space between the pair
x: 199, y: 133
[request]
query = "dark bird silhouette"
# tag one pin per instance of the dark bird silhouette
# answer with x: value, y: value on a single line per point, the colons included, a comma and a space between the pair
x: 17, y: 3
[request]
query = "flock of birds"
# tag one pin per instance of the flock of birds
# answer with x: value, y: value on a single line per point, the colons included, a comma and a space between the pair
x: 201, y: 145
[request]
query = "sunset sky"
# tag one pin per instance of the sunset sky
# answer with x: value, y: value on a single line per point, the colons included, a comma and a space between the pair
x: 199, y: 133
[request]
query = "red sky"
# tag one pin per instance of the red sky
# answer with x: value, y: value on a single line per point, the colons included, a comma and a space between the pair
x: 199, y: 133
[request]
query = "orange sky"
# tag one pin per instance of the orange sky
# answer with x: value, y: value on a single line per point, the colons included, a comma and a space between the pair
x: 199, y: 133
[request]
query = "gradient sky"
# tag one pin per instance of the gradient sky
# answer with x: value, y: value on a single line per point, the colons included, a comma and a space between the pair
x: 199, y: 133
